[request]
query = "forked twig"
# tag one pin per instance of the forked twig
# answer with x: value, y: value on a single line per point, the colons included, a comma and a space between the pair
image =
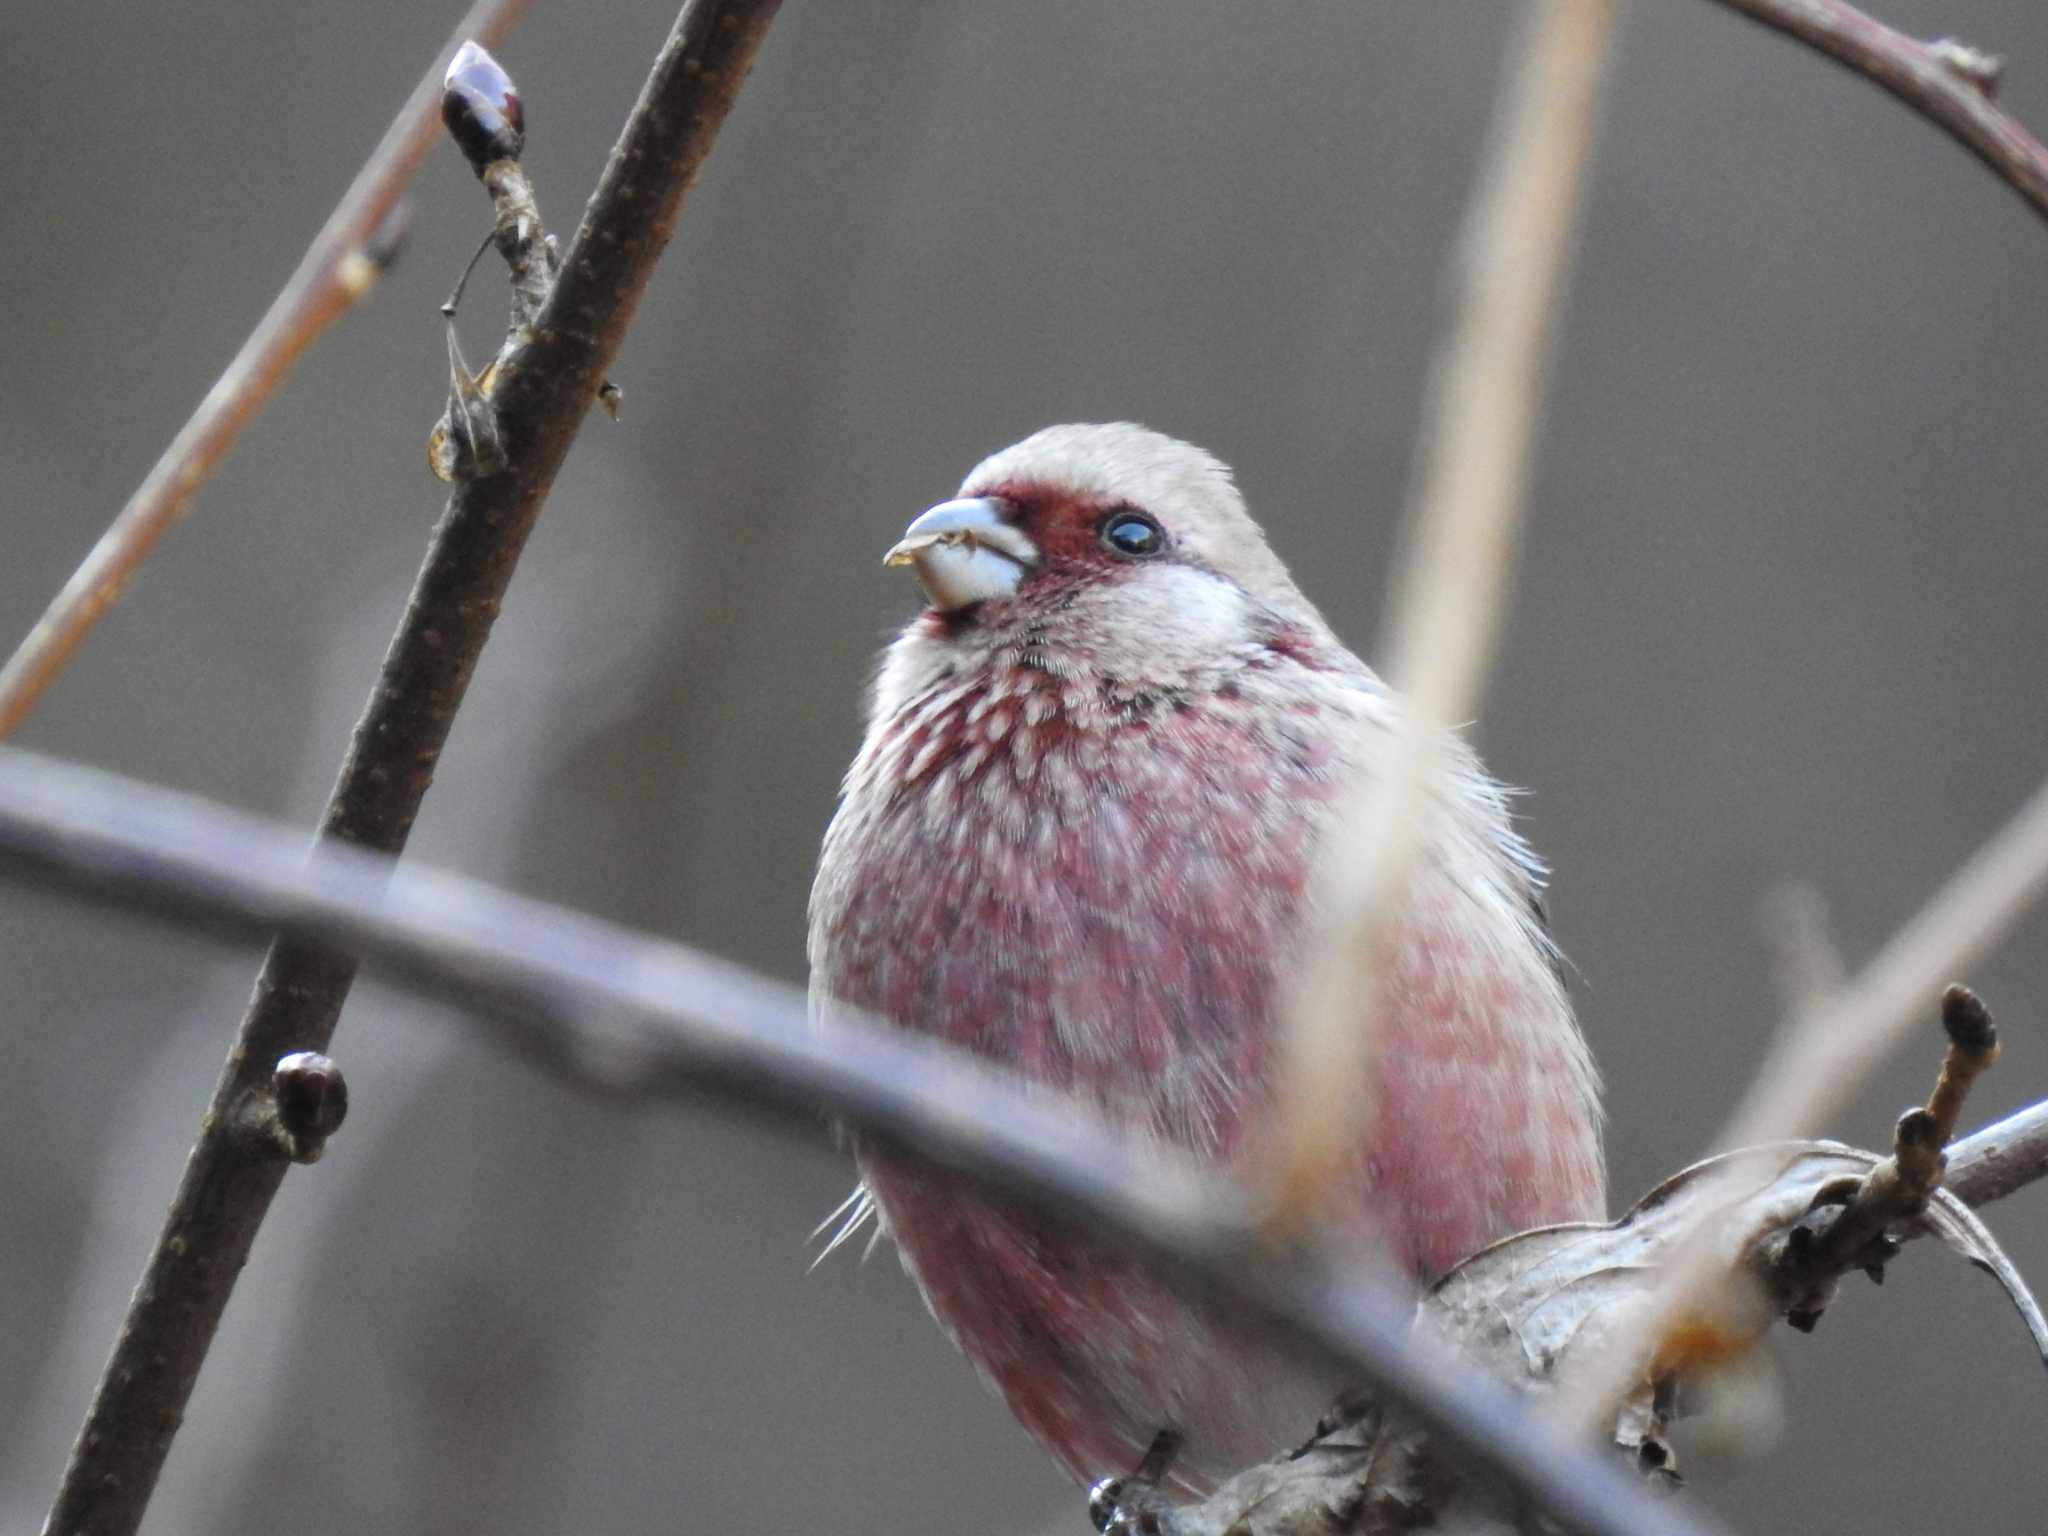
x: 1951, y: 85
x: 1857, y: 1223
x: 336, y: 271
x: 543, y: 391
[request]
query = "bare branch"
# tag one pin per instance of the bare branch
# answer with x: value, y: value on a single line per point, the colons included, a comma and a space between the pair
x: 1804, y: 960
x: 543, y: 391
x: 1822, y: 1057
x: 1999, y: 1159
x: 1950, y: 85
x: 337, y: 270
x: 640, y: 1018
x: 1467, y: 501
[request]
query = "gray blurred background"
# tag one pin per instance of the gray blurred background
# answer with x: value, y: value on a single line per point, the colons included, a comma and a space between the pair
x: 1780, y: 617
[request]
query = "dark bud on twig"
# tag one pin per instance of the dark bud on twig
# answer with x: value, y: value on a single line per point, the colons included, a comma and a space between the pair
x: 482, y: 109
x: 1972, y: 1048
x: 1967, y: 1021
x: 312, y: 1099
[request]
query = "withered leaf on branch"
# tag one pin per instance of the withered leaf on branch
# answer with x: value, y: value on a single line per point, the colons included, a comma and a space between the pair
x: 1529, y: 1308
x: 1532, y: 1309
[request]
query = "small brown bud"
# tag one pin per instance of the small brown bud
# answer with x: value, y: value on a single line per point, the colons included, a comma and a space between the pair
x: 312, y: 1096
x: 1968, y: 1021
x: 481, y: 108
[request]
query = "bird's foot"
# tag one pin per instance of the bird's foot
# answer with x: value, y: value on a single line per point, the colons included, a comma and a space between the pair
x: 1350, y: 1422
x: 1133, y: 1505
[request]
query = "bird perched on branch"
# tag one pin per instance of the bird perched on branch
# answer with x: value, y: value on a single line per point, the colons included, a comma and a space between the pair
x: 1077, y: 841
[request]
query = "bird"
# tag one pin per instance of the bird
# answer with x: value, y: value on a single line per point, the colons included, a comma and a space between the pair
x: 1077, y: 841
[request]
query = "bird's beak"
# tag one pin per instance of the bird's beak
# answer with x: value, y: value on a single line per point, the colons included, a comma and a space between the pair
x: 965, y: 551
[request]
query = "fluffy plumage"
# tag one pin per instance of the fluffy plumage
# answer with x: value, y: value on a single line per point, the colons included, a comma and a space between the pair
x: 1077, y: 840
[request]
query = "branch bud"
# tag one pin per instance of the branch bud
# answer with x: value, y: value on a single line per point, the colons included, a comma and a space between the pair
x: 312, y: 1096
x: 481, y: 108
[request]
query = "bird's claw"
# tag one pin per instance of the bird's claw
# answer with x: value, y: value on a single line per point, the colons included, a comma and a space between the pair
x: 1130, y: 1506
x: 1133, y: 1505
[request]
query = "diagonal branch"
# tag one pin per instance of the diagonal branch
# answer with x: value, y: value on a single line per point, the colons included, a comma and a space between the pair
x: 1466, y: 505
x: 336, y: 271
x: 1950, y: 85
x: 542, y: 393
x: 639, y: 1018
x: 1999, y: 1159
x: 642, y: 1019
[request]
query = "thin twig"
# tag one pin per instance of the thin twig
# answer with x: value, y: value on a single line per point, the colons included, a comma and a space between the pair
x: 1950, y: 85
x: 1821, y: 1059
x: 640, y: 1018
x: 541, y: 397
x: 1804, y: 960
x: 1999, y: 1159
x: 1809, y: 1257
x: 332, y: 276
x: 1467, y: 501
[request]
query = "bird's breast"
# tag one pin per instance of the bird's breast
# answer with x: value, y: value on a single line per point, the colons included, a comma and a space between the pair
x: 1093, y: 885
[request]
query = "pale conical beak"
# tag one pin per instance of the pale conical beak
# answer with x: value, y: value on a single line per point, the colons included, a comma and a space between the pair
x: 965, y: 551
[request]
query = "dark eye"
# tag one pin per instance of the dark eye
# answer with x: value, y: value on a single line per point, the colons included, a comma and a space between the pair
x: 1132, y: 534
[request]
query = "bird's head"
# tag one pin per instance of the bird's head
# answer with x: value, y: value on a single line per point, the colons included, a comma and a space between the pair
x: 1129, y: 546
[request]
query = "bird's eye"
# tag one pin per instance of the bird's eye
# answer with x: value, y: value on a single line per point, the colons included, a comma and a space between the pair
x: 1132, y: 534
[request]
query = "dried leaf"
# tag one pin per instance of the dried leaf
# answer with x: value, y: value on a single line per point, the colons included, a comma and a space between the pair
x: 1528, y: 1307
x: 1963, y: 1230
x: 464, y: 444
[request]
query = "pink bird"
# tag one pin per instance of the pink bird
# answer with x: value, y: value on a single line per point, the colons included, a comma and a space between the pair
x: 1077, y: 841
